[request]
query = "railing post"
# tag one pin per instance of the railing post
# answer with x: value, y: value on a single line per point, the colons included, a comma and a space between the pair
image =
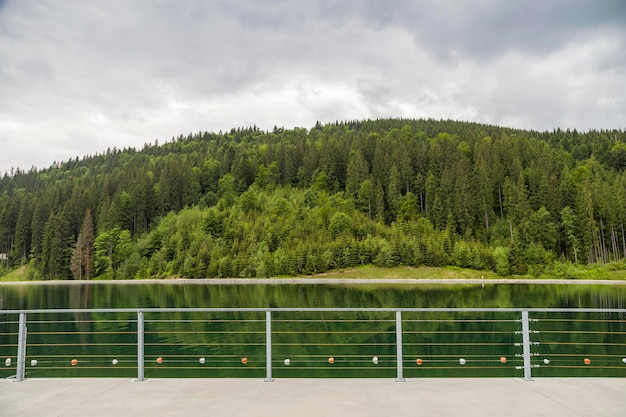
x: 268, y: 346
x: 140, y: 348
x: 526, y: 345
x: 399, y: 377
x: 21, y: 348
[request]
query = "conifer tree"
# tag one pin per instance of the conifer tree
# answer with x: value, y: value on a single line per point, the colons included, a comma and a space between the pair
x: 82, y: 255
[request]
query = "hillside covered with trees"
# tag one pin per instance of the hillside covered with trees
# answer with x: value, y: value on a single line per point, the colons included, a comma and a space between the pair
x: 249, y: 203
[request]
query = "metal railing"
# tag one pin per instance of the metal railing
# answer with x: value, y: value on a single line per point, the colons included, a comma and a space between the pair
x: 446, y: 339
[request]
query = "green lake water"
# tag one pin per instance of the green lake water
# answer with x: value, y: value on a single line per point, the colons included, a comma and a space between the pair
x: 308, y: 340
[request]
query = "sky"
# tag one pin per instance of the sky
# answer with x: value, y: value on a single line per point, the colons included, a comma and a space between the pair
x: 80, y: 76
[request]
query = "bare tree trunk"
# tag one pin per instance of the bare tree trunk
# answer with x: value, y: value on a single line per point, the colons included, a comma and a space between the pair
x: 601, y: 242
x: 623, y: 240
x: 614, y: 244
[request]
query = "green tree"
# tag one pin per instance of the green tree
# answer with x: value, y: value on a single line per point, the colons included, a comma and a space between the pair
x: 81, y: 262
x: 366, y: 198
x: 618, y: 155
x: 52, y: 264
x: 104, y: 247
x: 358, y: 171
x: 268, y: 177
x: 340, y: 224
x: 568, y: 223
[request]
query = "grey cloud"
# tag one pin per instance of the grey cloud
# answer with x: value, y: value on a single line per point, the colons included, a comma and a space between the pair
x: 377, y: 98
x: 450, y: 30
x: 485, y: 29
x: 119, y: 72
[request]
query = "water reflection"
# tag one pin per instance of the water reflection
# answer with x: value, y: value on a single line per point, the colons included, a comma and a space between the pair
x: 352, y: 339
x: 194, y: 295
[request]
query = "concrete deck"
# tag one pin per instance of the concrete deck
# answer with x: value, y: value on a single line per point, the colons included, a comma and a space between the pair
x: 485, y: 397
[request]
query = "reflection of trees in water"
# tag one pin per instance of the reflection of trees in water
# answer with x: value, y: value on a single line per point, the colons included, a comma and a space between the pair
x: 79, y: 298
x: 260, y: 296
x: 605, y: 298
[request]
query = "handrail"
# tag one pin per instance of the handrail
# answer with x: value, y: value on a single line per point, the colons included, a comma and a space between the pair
x: 314, y: 309
x: 523, y: 317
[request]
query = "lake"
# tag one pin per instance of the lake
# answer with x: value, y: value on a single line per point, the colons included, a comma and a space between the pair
x: 361, y: 344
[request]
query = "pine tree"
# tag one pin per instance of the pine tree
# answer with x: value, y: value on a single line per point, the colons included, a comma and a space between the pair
x: 82, y: 255
x: 52, y: 262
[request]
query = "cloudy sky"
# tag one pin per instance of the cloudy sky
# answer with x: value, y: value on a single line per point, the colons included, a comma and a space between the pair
x: 79, y: 76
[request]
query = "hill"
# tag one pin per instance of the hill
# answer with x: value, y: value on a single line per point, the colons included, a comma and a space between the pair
x: 391, y: 192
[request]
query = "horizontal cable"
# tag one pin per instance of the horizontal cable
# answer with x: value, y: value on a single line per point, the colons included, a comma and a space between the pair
x: 274, y: 332
x: 80, y: 344
x: 80, y: 321
x: 591, y: 355
x: 457, y: 344
x: 551, y: 342
x: 206, y: 321
x: 581, y: 332
x: 334, y: 344
x: 426, y: 332
x: 582, y: 321
x: 585, y: 367
x: 84, y: 365
x: 458, y: 321
x: 82, y: 356
x: 204, y: 344
x: 76, y: 333
x: 166, y: 332
x: 461, y: 367
x: 427, y: 356
x: 353, y: 321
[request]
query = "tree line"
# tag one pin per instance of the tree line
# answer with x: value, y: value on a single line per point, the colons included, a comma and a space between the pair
x: 253, y: 203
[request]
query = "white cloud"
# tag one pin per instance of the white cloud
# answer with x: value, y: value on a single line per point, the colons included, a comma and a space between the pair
x: 78, y: 77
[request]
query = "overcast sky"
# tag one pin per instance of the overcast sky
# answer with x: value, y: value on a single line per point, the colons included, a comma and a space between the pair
x: 79, y: 76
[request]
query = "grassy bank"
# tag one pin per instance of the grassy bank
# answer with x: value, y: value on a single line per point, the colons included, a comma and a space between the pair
x: 605, y: 272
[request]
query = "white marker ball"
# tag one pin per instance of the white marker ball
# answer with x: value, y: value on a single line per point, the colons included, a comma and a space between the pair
x: 202, y: 360
x: 7, y: 362
x: 287, y: 362
x: 33, y: 362
x: 114, y: 362
x: 624, y: 360
x: 546, y: 361
x: 462, y: 361
x: 375, y: 360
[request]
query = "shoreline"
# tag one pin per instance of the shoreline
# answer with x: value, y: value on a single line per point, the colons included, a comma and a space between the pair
x: 325, y: 281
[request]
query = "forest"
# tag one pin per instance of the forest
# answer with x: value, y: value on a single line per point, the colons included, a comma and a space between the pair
x: 290, y: 202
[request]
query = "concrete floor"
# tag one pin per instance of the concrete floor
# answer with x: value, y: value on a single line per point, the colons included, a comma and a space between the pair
x: 485, y: 397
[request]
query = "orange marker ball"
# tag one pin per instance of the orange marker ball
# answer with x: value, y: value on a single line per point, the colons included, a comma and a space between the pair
x: 331, y: 360
x: 244, y: 360
x: 587, y: 361
x: 503, y: 359
x: 74, y: 362
x: 159, y: 360
x: 419, y: 361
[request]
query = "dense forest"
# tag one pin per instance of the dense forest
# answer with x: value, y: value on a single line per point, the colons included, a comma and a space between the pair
x: 250, y: 203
